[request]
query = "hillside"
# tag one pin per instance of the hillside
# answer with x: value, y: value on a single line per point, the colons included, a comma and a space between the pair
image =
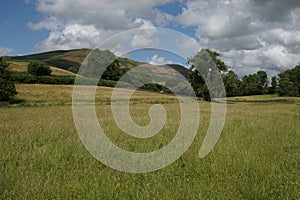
x: 64, y: 59
x: 22, y: 67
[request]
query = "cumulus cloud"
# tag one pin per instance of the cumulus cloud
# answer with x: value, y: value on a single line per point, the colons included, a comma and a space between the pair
x: 188, y: 46
x: 157, y: 60
x: 78, y: 24
x: 162, y: 19
x: 51, y: 23
x: 251, y: 34
x: 145, y: 36
x: 73, y: 35
x: 6, y: 51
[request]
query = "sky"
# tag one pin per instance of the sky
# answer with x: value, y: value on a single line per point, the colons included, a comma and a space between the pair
x: 251, y: 35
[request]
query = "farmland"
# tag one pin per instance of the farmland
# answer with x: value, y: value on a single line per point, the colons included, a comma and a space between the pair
x: 257, y: 156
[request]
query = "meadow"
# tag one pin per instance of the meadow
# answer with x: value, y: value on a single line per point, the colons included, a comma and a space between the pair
x: 42, y: 157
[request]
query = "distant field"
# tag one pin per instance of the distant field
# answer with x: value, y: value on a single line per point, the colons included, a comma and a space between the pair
x: 22, y: 67
x: 262, y: 98
x: 42, y: 157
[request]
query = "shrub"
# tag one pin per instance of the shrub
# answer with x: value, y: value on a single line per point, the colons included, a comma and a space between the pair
x: 7, y: 86
x: 39, y: 68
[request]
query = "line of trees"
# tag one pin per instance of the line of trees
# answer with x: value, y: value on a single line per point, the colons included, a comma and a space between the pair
x: 286, y: 83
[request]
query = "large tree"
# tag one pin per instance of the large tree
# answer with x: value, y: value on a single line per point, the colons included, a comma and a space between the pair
x: 274, y: 85
x: 289, y: 82
x: 232, y: 84
x: 254, y: 84
x: 39, y: 68
x: 7, y: 86
x: 204, y: 73
x: 101, y: 62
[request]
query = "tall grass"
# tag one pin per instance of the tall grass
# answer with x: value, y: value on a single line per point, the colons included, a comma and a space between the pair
x: 41, y: 156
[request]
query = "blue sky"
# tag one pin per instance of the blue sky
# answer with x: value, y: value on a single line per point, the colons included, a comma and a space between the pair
x: 14, y: 17
x: 250, y: 35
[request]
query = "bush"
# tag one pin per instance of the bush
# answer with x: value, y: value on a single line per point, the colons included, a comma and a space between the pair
x: 7, y: 86
x: 38, y: 68
x: 20, y: 77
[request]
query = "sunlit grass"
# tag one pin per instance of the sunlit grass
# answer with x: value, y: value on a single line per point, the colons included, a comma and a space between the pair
x: 41, y: 155
x: 22, y: 67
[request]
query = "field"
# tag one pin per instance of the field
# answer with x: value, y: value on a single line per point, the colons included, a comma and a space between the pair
x: 42, y: 157
x: 22, y: 67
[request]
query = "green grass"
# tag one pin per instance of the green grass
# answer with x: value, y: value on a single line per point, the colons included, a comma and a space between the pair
x: 266, y: 97
x: 42, y: 157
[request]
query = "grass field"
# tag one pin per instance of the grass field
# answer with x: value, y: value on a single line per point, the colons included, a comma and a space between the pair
x: 22, y: 67
x: 42, y: 157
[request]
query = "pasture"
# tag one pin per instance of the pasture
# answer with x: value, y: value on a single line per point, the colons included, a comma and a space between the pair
x: 42, y: 157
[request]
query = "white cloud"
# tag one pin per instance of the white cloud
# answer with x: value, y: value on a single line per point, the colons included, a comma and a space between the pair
x: 77, y: 24
x: 250, y: 34
x: 145, y: 36
x: 6, y: 51
x: 157, y: 60
x: 73, y: 36
x: 51, y: 23
x: 162, y: 19
x: 188, y: 46
x: 273, y: 59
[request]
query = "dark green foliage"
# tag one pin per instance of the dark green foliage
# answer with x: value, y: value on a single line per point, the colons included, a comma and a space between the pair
x: 19, y: 77
x: 7, y: 87
x: 196, y: 81
x: 289, y: 82
x: 39, y: 68
x: 207, y: 75
x: 152, y: 87
x: 113, y: 71
x: 97, y: 63
x: 274, y: 84
x: 73, y: 69
x: 232, y: 84
x: 30, y: 79
x: 218, y: 62
x: 254, y: 84
x: 107, y: 83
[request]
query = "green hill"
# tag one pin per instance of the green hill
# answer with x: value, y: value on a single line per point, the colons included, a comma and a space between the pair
x: 64, y: 59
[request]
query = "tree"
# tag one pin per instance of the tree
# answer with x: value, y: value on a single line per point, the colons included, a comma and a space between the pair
x: 262, y: 82
x: 205, y: 73
x: 289, y: 82
x: 98, y: 63
x: 254, y: 84
x: 113, y: 71
x: 73, y: 69
x: 39, y: 68
x: 7, y: 86
x: 232, y: 84
x: 218, y: 62
x: 274, y: 84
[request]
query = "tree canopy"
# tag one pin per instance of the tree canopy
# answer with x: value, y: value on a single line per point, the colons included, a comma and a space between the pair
x: 39, y: 68
x: 7, y: 86
x: 203, y: 73
x: 289, y: 82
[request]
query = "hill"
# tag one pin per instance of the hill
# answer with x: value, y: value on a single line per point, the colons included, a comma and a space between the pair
x: 22, y: 67
x: 64, y: 59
